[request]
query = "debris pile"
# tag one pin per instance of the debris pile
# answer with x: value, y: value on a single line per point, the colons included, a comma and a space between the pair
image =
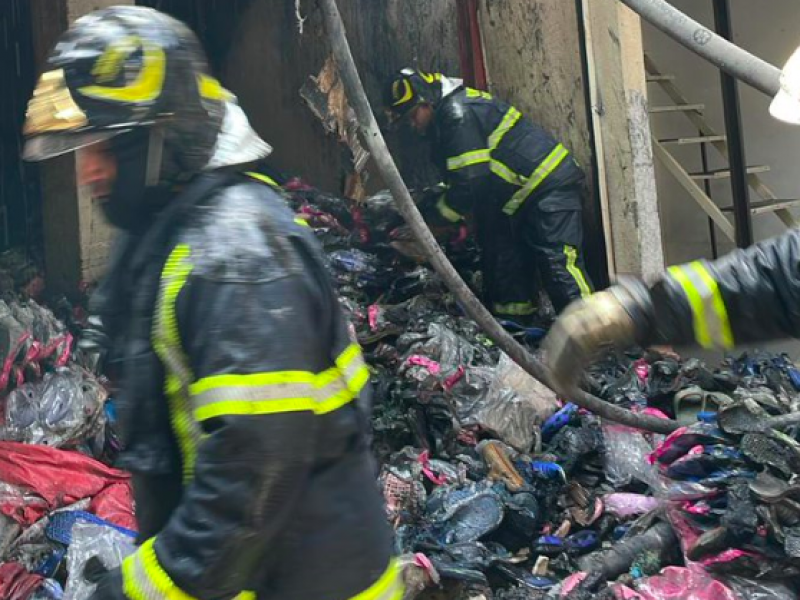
x: 61, y: 505
x: 496, y: 489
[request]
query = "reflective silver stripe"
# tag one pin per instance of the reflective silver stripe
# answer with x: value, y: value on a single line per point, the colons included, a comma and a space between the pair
x: 253, y: 393
x: 351, y: 369
x: 711, y: 324
x: 143, y: 578
x: 506, y: 174
x: 547, y: 166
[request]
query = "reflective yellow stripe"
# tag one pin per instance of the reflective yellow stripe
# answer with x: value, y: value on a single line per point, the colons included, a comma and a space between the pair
x: 471, y: 93
x: 263, y: 178
x: 509, y: 120
x: 547, y: 166
x: 352, y: 367
x: 143, y: 578
x: 145, y: 88
x: 108, y: 66
x: 167, y: 345
x: 723, y: 333
x: 282, y: 391
x: 712, y: 327
x: 573, y: 269
x: 388, y: 587
x: 507, y: 174
x: 212, y: 89
x: 520, y: 309
x: 447, y: 212
x: 474, y: 157
x: 407, y: 94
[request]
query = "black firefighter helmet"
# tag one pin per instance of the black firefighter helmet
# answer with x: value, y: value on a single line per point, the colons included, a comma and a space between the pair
x: 408, y: 88
x: 123, y: 68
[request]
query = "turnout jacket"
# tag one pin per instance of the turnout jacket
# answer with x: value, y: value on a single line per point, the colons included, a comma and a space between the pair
x: 492, y: 155
x: 749, y: 295
x: 244, y: 409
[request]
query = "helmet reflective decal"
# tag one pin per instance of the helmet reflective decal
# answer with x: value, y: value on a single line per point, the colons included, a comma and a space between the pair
x: 405, y: 95
x: 211, y: 89
x: 108, y: 66
x: 428, y: 77
x: 145, y: 88
x: 52, y: 107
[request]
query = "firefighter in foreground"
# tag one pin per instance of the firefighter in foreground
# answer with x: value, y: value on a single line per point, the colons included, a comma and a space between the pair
x: 242, y: 405
x: 521, y: 187
x: 750, y: 295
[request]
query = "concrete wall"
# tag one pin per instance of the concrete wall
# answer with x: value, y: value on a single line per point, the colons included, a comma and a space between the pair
x: 770, y: 30
x: 269, y: 61
x: 535, y: 60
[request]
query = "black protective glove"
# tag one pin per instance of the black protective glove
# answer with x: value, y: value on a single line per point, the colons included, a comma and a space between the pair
x: 109, y: 583
x: 427, y: 205
x: 618, y: 317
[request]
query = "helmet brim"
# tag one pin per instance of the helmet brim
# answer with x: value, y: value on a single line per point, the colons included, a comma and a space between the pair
x: 50, y: 145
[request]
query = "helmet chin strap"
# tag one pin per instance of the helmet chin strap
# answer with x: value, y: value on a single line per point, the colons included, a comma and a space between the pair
x: 155, y: 153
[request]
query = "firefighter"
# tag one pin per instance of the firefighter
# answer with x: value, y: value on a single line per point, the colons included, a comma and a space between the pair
x: 244, y: 401
x: 521, y: 187
x: 747, y: 296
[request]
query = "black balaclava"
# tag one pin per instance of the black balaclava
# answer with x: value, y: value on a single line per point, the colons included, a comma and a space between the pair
x: 136, y: 195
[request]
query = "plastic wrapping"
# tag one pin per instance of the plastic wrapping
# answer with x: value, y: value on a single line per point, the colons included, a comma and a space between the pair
x: 63, y: 410
x: 626, y: 456
x: 512, y: 407
x: 94, y: 542
x: 625, y: 506
x: 39, y: 479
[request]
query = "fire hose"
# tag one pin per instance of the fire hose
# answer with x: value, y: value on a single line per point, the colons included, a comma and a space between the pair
x: 702, y: 41
x: 376, y: 144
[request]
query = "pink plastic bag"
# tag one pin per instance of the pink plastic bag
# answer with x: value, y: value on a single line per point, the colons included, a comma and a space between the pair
x: 679, y: 583
x: 625, y: 506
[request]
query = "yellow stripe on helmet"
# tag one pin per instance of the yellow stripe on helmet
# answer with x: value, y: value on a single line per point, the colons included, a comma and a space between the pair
x: 145, y: 88
x: 407, y: 93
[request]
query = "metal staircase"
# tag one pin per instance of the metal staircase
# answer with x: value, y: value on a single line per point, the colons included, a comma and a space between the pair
x: 698, y: 184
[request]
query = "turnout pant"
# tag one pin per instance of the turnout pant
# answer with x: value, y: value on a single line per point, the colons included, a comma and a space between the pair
x: 542, y: 243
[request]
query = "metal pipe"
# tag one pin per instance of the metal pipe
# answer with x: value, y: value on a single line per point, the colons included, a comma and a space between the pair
x: 726, y: 56
x: 743, y: 220
x: 373, y: 138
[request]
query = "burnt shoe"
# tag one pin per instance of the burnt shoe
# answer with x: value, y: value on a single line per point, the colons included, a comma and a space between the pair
x: 711, y: 542
x: 740, y: 519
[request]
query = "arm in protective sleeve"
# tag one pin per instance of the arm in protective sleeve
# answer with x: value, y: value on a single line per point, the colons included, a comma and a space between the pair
x: 248, y: 346
x: 746, y: 296
x: 468, y: 161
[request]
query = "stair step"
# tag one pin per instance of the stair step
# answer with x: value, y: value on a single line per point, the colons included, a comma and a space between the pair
x: 653, y: 78
x: 702, y: 139
x: 768, y: 206
x: 725, y: 173
x: 677, y: 108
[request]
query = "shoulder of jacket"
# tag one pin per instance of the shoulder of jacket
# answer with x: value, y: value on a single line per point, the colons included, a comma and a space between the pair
x: 242, y: 233
x: 453, y: 109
